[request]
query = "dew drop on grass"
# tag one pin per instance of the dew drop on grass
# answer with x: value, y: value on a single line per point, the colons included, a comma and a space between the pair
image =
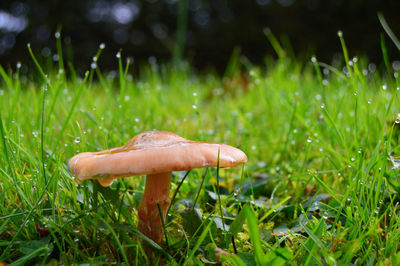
x: 194, y: 107
x: 321, y: 149
x: 322, y: 106
x: 384, y: 87
x: 1, y: 92
x: 314, y: 59
x: 318, y: 97
x: 77, y: 140
x: 102, y: 46
x: 309, y: 140
x: 253, y: 147
x: 353, y: 159
x: 57, y: 35
x: 19, y: 65
x: 369, y: 101
x: 325, y: 82
x: 340, y: 33
x: 194, y: 94
x: 93, y: 65
x: 355, y: 93
x: 94, y: 59
x: 365, y: 72
x: 118, y: 55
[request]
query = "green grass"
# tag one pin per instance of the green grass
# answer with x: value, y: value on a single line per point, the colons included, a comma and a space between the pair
x: 320, y: 186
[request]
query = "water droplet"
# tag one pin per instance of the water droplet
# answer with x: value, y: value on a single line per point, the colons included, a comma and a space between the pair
x: 93, y: 65
x: 384, y: 87
x: 194, y: 94
x: 102, y: 46
x: 118, y: 55
x: 253, y: 147
x: 309, y: 140
x: 137, y: 120
x: 314, y: 59
x: 194, y: 106
x: 1, y: 92
x: 322, y: 106
x: 28, y: 44
x: 355, y: 93
x: 321, y: 149
x: 94, y: 59
x: 295, y: 131
x: 369, y: 101
x: 77, y: 140
x: 19, y: 65
x: 340, y: 33
x: 397, y: 121
x: 66, y: 145
x: 352, y: 159
x: 325, y: 82
x: 318, y: 97
x: 57, y: 35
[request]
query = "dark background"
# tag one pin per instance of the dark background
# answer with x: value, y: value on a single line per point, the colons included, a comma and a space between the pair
x: 143, y: 29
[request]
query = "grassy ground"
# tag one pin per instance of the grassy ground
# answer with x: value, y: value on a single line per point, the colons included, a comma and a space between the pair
x: 320, y: 186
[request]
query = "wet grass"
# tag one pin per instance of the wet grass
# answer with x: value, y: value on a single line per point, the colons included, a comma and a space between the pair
x: 320, y: 186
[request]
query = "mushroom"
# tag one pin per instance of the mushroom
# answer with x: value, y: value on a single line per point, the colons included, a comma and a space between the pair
x: 155, y: 154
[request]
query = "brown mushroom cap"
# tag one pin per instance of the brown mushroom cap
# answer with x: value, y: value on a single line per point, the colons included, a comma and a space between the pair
x: 153, y: 152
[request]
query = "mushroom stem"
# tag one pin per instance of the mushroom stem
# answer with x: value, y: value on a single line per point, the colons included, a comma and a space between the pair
x: 156, y: 192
